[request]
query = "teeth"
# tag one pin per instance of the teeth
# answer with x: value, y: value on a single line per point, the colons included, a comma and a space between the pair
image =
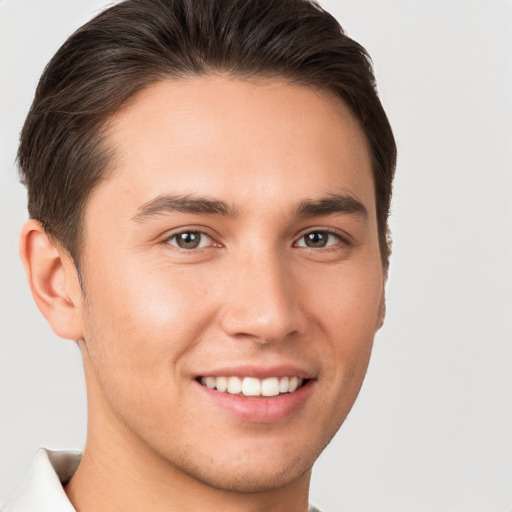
x: 211, y: 382
x: 221, y: 383
x: 270, y: 387
x: 250, y: 386
x: 234, y: 385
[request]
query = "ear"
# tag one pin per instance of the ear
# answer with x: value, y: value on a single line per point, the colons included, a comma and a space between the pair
x: 53, y: 279
x: 381, y: 313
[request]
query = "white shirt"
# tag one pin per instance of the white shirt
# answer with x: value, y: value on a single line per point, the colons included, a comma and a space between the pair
x: 43, y: 489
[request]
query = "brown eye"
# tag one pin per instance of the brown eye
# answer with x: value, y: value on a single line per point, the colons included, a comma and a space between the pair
x: 189, y: 240
x: 318, y: 239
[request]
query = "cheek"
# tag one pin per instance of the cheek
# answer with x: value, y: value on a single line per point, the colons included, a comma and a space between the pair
x: 142, y: 323
x: 348, y: 298
x: 140, y: 333
x: 347, y: 306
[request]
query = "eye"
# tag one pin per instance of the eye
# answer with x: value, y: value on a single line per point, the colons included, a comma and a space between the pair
x: 318, y: 239
x: 190, y: 240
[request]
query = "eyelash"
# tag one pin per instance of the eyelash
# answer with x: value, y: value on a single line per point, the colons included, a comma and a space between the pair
x: 330, y: 233
x: 202, y: 234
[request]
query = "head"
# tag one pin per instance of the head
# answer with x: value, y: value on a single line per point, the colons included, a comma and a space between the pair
x: 217, y: 177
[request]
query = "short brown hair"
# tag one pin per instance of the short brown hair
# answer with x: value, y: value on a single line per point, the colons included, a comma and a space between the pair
x: 139, y: 42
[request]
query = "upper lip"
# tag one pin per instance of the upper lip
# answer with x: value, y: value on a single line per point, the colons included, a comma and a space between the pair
x: 259, y: 372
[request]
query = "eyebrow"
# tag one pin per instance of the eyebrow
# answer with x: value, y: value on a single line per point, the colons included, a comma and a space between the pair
x: 334, y: 204
x: 184, y: 204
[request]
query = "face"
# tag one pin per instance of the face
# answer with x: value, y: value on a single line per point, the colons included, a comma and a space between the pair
x: 233, y: 279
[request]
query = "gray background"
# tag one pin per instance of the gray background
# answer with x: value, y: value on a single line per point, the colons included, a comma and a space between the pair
x: 431, y: 430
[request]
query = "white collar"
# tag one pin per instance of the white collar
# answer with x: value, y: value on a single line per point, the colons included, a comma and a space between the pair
x: 43, y: 489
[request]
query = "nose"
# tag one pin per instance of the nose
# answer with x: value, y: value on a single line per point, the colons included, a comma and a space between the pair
x: 261, y: 300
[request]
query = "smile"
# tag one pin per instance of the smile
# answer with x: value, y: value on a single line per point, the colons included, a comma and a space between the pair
x: 252, y: 386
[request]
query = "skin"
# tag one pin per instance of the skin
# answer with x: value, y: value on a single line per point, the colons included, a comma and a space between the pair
x: 155, y: 316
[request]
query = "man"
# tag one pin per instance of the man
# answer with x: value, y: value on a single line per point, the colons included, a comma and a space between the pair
x: 209, y: 184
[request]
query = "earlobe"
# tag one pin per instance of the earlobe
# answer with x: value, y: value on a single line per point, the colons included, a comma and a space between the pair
x: 381, y: 312
x: 53, y: 280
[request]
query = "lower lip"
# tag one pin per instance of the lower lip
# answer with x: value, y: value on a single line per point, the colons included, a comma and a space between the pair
x: 261, y: 409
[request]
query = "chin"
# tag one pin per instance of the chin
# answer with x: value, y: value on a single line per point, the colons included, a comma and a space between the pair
x: 252, y: 478
x: 250, y: 467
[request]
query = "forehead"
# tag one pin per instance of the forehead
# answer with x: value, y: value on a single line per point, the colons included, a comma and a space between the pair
x: 238, y: 140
